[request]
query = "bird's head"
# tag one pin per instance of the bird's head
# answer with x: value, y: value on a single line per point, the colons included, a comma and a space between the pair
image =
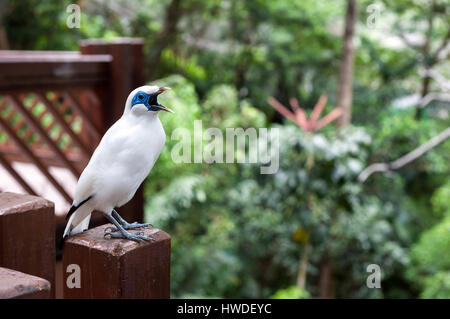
x: 145, y: 99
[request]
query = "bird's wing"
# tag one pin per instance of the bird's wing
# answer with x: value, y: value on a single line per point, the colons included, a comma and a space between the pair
x: 78, y: 221
x: 79, y: 214
x: 105, y: 159
x: 74, y: 207
x: 81, y: 206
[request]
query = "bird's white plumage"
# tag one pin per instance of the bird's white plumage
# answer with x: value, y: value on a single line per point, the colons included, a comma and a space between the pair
x: 123, y: 159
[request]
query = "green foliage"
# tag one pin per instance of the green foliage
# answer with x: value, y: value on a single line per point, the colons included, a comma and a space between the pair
x: 237, y: 233
x: 441, y: 200
x: 437, y: 286
x: 243, y: 244
x: 243, y: 241
x: 429, y: 266
x: 39, y: 25
x: 293, y: 292
x: 399, y: 128
x: 224, y: 109
x: 183, y: 100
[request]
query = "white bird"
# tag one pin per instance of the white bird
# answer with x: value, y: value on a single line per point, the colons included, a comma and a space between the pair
x: 120, y: 163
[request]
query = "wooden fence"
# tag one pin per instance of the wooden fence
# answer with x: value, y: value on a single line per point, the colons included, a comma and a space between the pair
x: 92, y: 266
x: 55, y: 106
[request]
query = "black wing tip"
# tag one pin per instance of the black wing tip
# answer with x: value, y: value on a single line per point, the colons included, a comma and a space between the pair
x: 73, y: 208
x: 60, y: 242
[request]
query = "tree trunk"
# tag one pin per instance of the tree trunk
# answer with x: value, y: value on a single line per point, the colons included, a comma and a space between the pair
x: 166, y: 36
x: 4, y: 10
x: 346, y: 73
x: 301, y: 277
x: 425, y: 88
x: 325, y: 283
x: 4, y: 44
x: 427, y: 58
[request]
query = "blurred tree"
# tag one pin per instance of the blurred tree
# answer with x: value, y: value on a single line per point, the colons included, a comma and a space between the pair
x: 424, y: 26
x: 246, y: 239
x: 311, y: 223
x: 429, y: 270
x: 345, y: 94
x: 39, y: 25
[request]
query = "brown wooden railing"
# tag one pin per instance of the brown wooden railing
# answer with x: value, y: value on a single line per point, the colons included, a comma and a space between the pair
x: 107, y: 268
x: 55, y: 106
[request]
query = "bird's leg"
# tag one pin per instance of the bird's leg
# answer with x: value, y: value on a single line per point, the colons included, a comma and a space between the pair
x: 125, y: 224
x: 123, y: 233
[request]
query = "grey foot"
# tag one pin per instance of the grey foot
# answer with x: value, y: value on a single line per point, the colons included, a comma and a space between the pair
x: 126, y: 235
x: 134, y: 225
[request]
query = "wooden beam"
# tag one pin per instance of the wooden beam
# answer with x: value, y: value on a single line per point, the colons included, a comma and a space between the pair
x: 16, y: 175
x: 13, y: 154
x: 65, y: 126
x: 27, y: 152
x: 22, y: 70
x: 126, y: 74
x: 86, y: 118
x: 43, y: 134
x: 27, y: 235
x: 18, y: 285
x: 116, y: 268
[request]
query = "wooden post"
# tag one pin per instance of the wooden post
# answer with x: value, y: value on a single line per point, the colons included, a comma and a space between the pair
x: 126, y: 70
x: 27, y: 235
x: 126, y: 73
x: 116, y: 268
x: 16, y: 284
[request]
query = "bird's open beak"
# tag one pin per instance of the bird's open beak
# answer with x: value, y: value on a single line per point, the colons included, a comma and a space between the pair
x: 163, y: 89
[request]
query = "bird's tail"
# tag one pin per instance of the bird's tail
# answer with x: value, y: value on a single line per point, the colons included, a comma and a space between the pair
x: 78, y: 221
x: 73, y: 228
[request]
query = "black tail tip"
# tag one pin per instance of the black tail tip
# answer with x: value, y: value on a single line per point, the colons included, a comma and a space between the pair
x: 61, y: 242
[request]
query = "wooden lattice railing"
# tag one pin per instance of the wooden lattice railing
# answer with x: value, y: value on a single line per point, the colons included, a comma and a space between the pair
x: 55, y: 106
x: 48, y: 128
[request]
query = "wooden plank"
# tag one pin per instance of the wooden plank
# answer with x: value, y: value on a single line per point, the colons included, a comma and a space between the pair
x: 75, y: 103
x: 37, y: 127
x: 116, y: 268
x: 16, y: 175
x: 50, y: 69
x: 21, y: 84
x: 32, y: 72
x: 36, y: 56
x: 13, y: 154
x: 24, y: 148
x: 64, y: 125
x: 18, y: 285
x: 27, y: 235
x: 126, y: 74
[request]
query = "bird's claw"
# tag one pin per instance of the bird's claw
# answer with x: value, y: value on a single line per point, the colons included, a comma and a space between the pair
x: 110, y: 229
x: 136, y: 236
x: 134, y: 225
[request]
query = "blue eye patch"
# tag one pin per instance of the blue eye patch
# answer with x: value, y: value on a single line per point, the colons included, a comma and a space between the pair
x: 141, y: 98
x: 149, y: 100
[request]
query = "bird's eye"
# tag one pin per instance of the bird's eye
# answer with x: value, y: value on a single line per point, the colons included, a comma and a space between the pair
x: 140, y: 96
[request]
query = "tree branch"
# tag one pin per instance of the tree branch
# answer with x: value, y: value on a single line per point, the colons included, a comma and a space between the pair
x: 443, y: 45
x: 408, y: 43
x: 402, y: 161
x: 427, y: 99
x: 443, y: 83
